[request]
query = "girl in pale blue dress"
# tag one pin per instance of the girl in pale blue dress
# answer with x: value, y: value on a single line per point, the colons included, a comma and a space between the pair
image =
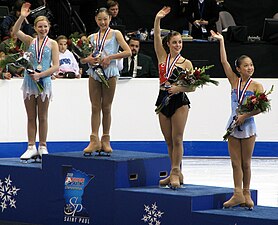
x: 45, y: 61
x: 241, y: 142
x: 106, y: 44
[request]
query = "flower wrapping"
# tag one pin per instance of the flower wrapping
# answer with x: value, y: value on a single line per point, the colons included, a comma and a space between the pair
x: 100, y: 73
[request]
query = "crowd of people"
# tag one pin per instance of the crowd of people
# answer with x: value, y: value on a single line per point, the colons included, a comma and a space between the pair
x: 52, y: 59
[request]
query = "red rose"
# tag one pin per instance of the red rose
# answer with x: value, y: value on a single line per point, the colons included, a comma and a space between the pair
x: 79, y: 43
x: 263, y: 97
x: 197, y: 74
x: 69, y: 42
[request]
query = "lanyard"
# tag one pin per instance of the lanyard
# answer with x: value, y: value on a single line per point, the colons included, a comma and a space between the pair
x: 240, y: 94
x: 170, y: 67
x: 39, y: 50
x: 100, y: 42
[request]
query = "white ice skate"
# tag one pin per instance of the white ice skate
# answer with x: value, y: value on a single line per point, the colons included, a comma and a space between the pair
x: 30, y: 153
x: 42, y: 151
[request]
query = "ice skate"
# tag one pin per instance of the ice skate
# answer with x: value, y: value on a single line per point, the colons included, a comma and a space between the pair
x: 42, y: 151
x: 30, y: 153
x: 106, y: 149
x: 175, y: 179
x: 166, y: 181
x: 236, y: 199
x: 249, y: 204
x: 94, y: 146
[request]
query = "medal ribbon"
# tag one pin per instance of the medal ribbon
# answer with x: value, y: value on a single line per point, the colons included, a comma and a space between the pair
x: 39, y: 51
x: 100, y: 43
x: 170, y: 68
x: 240, y: 96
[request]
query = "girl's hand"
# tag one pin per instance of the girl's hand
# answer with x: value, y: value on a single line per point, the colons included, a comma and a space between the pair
x: 217, y: 35
x: 25, y: 9
x: 91, y: 60
x: 35, y: 76
x: 163, y: 12
x: 240, y: 119
x: 105, y: 62
x: 173, y: 90
x: 7, y: 75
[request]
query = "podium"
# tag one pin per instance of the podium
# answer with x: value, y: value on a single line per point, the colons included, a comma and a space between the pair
x: 69, y: 188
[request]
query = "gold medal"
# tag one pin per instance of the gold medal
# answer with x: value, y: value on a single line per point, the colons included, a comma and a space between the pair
x: 39, y: 67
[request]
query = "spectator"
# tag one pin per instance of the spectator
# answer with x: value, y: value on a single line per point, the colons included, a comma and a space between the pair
x: 203, y: 15
x: 8, y: 22
x: 138, y: 65
x: 68, y: 66
x: 113, y: 8
x: 3, y: 74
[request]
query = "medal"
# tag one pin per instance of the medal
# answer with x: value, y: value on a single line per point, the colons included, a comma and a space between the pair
x: 39, y: 67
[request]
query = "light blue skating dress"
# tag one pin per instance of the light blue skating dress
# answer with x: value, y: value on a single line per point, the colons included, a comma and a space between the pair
x: 111, y: 46
x: 29, y: 86
x: 248, y: 128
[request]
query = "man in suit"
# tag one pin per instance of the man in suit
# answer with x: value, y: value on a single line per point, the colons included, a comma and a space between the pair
x: 138, y: 65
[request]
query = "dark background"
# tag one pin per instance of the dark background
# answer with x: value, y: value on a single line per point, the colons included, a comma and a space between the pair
x: 140, y: 13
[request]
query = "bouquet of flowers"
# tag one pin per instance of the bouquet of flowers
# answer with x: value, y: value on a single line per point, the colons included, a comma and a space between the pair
x: 26, y: 61
x: 79, y: 47
x: 196, y: 78
x: 191, y: 79
x: 258, y: 101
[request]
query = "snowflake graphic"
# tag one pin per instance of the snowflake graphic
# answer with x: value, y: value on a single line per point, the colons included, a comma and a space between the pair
x: 7, y: 194
x: 152, y: 215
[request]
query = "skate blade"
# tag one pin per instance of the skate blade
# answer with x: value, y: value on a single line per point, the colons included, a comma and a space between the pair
x: 102, y: 153
x: 88, y: 154
x: 175, y: 188
x: 34, y: 159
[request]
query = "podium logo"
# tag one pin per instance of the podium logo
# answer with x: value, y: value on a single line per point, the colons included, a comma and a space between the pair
x: 152, y: 215
x: 7, y: 194
x: 75, y: 184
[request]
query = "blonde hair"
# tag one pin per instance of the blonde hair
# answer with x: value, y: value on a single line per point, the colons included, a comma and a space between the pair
x: 41, y: 18
x: 61, y: 37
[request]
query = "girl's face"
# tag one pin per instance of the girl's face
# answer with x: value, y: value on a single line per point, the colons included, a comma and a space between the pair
x: 63, y: 46
x: 103, y: 20
x: 42, y: 28
x: 246, y: 67
x: 175, y: 44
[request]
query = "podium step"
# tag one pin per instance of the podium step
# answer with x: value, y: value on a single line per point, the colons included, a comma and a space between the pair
x: 260, y: 215
x: 68, y: 188
x: 173, y: 206
x: 21, y: 191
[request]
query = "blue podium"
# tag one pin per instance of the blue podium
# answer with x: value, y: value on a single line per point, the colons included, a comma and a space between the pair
x: 68, y: 188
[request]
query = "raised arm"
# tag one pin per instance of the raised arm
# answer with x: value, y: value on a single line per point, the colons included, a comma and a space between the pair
x: 223, y: 57
x: 25, y: 11
x: 158, y: 47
